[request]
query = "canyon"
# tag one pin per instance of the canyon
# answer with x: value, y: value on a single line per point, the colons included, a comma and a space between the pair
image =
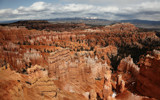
x: 68, y: 61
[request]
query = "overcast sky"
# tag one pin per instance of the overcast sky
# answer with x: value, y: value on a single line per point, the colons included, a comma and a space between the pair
x: 106, y: 9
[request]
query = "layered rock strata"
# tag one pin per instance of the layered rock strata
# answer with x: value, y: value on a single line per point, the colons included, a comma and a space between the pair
x: 77, y: 61
x: 148, y: 78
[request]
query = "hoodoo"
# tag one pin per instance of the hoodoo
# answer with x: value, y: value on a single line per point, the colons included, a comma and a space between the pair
x: 68, y: 61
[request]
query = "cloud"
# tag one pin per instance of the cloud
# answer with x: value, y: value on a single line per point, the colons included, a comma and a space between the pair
x: 35, y: 7
x: 40, y: 10
x: 77, y: 7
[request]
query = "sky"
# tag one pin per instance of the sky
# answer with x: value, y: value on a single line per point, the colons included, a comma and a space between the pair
x: 101, y: 9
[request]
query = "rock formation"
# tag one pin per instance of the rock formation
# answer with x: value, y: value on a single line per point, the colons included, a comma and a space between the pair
x: 127, y: 66
x: 148, y: 78
x: 67, y: 61
x: 15, y: 86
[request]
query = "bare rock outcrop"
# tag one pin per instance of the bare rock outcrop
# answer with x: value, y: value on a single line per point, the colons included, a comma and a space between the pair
x: 15, y: 86
x: 148, y: 80
x: 127, y: 95
x: 127, y: 66
x: 80, y: 74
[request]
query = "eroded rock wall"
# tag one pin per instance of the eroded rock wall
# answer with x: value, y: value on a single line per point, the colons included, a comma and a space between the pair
x: 148, y: 79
